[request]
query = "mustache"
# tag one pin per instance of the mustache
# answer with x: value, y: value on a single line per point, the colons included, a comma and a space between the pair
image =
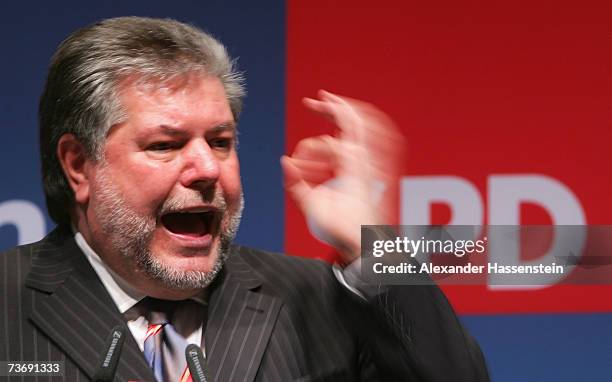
x: 193, y: 198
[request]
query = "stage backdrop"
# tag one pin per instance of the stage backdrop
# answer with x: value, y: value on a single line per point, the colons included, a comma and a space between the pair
x: 505, y: 107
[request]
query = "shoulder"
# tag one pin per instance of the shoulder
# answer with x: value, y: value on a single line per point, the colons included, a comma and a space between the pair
x: 289, y: 275
x: 39, y: 257
x: 15, y: 264
x: 277, y: 263
x: 17, y: 261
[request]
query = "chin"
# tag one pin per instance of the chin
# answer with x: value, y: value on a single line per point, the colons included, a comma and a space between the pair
x: 186, y: 262
x: 184, y: 268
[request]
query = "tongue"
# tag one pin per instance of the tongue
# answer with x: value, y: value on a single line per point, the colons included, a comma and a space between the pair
x: 191, y: 224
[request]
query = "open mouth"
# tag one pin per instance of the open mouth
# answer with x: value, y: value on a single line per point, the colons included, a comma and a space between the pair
x: 191, y: 224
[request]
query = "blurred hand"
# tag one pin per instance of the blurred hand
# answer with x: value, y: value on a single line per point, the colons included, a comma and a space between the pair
x: 363, y: 156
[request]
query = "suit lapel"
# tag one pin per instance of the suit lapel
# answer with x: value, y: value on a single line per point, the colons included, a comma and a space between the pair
x: 240, y: 323
x: 76, y: 311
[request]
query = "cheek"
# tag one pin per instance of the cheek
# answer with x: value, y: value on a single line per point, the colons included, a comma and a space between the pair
x: 230, y: 180
x: 145, y: 187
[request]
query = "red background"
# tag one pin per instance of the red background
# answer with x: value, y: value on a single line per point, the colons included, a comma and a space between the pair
x: 478, y: 89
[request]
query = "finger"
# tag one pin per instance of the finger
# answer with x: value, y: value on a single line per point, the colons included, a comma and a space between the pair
x: 319, y: 158
x: 341, y: 99
x: 353, y: 166
x: 315, y: 159
x: 317, y: 148
x: 385, y: 143
x: 329, y: 96
x: 319, y: 107
x: 376, y: 122
x: 363, y: 124
x: 330, y: 156
x: 339, y: 112
x: 313, y: 172
x: 295, y: 185
x: 350, y: 118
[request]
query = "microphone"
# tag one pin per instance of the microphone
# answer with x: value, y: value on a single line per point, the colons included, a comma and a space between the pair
x: 196, y: 363
x: 108, y: 365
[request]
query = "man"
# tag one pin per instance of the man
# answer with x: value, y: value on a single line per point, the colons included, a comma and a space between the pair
x: 138, y: 125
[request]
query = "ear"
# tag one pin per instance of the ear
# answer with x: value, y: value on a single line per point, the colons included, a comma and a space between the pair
x: 76, y: 166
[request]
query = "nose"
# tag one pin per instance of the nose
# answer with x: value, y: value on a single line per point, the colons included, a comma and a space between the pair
x: 201, y: 166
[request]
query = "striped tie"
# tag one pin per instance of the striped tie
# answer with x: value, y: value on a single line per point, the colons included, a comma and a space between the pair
x: 164, y: 347
x: 152, y: 349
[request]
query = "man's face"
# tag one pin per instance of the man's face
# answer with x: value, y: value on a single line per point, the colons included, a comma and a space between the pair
x: 167, y: 198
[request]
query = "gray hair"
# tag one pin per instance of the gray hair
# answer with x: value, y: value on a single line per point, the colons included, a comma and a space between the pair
x: 81, y: 95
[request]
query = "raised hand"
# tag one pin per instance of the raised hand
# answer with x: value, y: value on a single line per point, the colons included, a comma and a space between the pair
x: 363, y: 157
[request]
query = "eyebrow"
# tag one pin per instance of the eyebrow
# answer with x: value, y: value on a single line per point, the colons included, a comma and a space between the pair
x: 175, y: 131
x: 227, y: 126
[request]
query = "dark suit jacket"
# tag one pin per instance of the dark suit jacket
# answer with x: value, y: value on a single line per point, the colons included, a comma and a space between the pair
x: 270, y: 318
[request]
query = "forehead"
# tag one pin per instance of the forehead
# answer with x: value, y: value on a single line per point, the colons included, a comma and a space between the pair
x: 188, y: 97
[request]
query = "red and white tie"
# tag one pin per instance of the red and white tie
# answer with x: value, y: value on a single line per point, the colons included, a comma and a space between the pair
x: 164, y: 348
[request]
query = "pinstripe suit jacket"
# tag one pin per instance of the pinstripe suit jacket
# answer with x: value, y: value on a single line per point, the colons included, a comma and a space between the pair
x: 271, y: 318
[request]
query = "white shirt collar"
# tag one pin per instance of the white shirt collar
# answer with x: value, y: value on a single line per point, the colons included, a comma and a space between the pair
x: 120, y: 291
x: 125, y: 297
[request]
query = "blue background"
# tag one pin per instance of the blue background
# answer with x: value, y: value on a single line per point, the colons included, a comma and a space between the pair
x: 517, y: 347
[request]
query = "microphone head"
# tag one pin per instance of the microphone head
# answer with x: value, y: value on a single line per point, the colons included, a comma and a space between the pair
x: 196, y: 363
x: 110, y: 358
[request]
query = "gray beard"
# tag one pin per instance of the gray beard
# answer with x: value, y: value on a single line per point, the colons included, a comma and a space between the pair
x: 130, y: 234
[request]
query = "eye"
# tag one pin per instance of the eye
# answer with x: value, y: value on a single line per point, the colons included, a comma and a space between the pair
x: 162, y: 146
x: 222, y: 143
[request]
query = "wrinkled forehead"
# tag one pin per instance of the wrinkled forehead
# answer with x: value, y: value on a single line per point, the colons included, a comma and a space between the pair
x: 162, y: 85
x: 192, y: 101
x: 180, y: 89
